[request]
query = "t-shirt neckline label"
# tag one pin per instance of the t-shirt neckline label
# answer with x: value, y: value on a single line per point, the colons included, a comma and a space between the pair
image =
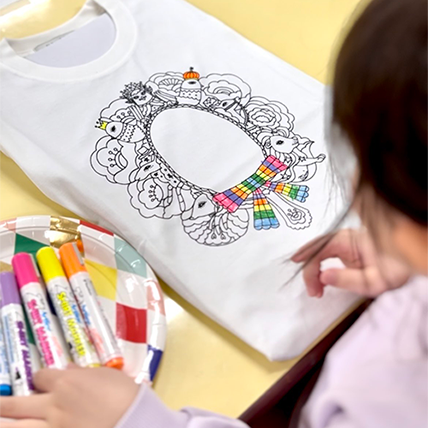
x: 123, y: 45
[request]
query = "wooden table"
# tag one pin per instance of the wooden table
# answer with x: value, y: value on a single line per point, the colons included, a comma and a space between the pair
x: 204, y: 365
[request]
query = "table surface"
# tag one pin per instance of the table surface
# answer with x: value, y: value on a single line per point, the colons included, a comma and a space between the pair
x: 204, y: 365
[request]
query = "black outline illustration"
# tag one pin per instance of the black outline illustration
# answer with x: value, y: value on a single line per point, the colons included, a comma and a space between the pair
x: 127, y: 155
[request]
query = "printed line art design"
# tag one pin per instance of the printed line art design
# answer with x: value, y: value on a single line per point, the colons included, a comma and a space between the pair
x: 273, y: 195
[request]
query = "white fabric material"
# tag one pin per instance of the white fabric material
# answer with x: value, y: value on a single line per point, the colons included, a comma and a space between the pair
x: 377, y: 374
x: 72, y: 49
x: 157, y: 167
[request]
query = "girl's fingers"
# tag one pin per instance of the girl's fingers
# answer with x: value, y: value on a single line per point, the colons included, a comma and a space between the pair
x: 367, y: 282
x: 344, y: 244
x: 25, y: 423
x: 46, y: 379
x: 73, y: 366
x: 311, y: 274
x: 341, y: 247
x: 365, y: 272
x: 34, y: 407
x: 349, y: 279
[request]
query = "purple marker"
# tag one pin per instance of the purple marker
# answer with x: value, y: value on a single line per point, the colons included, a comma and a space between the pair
x: 18, y: 349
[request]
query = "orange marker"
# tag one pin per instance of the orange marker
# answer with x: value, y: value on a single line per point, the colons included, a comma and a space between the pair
x: 67, y: 309
x: 98, y: 326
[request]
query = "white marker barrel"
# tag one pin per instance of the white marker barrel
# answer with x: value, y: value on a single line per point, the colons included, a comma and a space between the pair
x: 48, y: 343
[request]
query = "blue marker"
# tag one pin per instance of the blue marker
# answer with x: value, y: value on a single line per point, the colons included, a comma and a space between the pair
x: 5, y: 382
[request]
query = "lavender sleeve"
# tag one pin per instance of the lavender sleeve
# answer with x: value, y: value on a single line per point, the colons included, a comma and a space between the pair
x: 148, y: 411
x: 376, y: 375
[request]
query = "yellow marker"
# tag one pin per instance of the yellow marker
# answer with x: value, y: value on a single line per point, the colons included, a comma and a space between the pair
x: 67, y: 309
x: 99, y: 329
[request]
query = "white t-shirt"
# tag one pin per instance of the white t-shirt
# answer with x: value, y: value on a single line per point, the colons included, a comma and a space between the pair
x: 201, y: 149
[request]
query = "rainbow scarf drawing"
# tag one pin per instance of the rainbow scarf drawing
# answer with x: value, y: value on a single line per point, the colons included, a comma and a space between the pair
x: 264, y: 216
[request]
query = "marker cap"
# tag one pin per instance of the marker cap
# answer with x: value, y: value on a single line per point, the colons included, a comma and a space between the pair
x: 5, y: 390
x: 71, y: 259
x: 49, y: 264
x: 115, y: 363
x: 25, y: 269
x: 9, y: 289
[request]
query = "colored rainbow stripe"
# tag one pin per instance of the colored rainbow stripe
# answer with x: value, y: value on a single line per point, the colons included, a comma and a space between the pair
x: 293, y: 191
x: 233, y: 198
x: 264, y: 217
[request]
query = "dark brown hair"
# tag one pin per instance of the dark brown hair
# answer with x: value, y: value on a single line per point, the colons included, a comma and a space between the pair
x: 380, y: 102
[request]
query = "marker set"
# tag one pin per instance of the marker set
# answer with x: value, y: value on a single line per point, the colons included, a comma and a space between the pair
x: 87, y: 334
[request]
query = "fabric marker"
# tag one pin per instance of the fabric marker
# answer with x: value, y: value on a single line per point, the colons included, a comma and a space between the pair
x: 56, y: 327
x: 99, y: 329
x: 5, y: 383
x: 36, y: 361
x: 53, y: 354
x: 66, y: 308
x: 15, y: 332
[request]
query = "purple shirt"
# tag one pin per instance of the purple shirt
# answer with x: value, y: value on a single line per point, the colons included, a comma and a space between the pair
x: 375, y: 376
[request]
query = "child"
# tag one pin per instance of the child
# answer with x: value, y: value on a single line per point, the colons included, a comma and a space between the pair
x: 376, y: 375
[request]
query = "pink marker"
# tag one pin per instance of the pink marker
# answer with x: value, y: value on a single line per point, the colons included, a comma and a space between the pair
x: 54, y: 356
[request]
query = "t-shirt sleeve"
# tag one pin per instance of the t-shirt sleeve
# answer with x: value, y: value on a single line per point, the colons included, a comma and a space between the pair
x: 148, y: 411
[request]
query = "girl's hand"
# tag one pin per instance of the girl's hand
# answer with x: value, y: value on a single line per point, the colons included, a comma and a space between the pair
x: 72, y: 398
x: 366, y: 272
